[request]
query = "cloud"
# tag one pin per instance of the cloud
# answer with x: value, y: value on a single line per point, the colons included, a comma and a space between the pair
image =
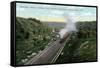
x: 55, y: 13
x: 87, y: 14
x: 20, y: 9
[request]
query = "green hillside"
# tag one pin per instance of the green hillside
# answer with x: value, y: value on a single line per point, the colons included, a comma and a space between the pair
x: 82, y: 45
x: 31, y: 38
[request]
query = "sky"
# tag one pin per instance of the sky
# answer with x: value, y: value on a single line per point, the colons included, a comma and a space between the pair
x: 56, y: 13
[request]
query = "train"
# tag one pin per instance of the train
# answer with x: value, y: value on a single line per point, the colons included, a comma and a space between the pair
x: 64, y: 37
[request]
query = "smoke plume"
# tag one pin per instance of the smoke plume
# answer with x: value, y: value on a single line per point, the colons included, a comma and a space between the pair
x: 70, y: 25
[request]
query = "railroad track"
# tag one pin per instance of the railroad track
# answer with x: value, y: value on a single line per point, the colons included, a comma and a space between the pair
x: 48, y: 55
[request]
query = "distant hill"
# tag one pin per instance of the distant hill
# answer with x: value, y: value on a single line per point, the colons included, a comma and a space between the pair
x: 55, y: 24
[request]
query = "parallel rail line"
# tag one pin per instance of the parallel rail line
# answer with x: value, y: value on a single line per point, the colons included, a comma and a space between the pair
x: 49, y: 54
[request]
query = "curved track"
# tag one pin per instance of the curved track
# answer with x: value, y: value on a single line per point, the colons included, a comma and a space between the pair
x: 49, y: 54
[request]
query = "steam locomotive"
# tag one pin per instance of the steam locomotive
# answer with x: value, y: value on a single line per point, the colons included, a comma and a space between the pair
x: 64, y: 37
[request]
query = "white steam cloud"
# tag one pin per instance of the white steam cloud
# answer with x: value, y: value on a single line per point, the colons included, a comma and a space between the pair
x: 70, y: 24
